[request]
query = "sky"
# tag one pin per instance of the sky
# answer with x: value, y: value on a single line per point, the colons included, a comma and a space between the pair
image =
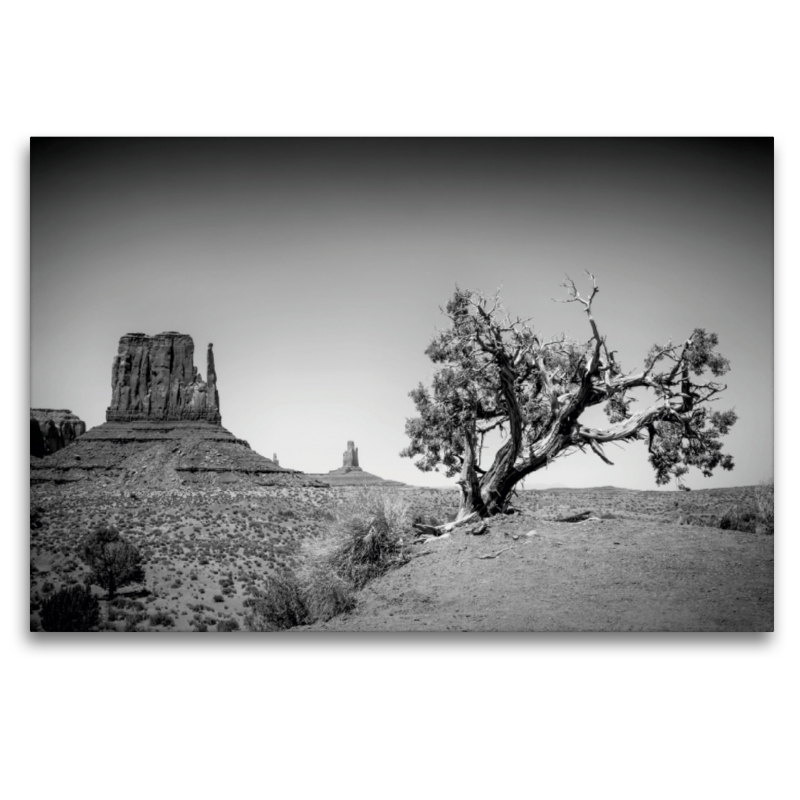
x: 317, y: 267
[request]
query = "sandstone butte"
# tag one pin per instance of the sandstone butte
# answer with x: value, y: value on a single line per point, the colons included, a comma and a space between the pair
x: 163, y: 427
x: 52, y: 429
x: 351, y: 474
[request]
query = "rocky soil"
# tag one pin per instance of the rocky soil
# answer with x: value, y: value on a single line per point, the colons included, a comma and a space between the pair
x: 210, y: 546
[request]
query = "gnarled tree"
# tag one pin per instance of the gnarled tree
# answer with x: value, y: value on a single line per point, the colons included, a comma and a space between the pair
x: 497, y: 374
x: 114, y: 562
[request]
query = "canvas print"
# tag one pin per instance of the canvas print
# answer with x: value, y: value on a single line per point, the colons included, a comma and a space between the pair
x: 356, y: 384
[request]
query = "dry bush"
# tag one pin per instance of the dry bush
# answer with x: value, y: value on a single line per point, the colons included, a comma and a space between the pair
x: 369, y: 537
x: 326, y: 593
x: 280, y: 606
x: 755, y: 513
x: 71, y: 609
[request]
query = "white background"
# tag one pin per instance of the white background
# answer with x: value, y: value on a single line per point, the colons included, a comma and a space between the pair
x: 401, y: 716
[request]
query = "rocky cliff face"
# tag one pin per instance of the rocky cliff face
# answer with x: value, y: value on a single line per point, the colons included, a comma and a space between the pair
x: 154, y: 378
x: 53, y: 429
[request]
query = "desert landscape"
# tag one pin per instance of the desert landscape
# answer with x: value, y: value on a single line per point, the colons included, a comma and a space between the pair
x: 641, y: 561
x: 414, y: 406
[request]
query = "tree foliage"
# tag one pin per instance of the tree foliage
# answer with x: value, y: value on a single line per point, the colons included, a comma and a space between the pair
x: 114, y: 562
x: 495, y: 373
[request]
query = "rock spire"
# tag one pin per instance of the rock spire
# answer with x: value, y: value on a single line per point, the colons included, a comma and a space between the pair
x: 350, y: 457
x: 351, y: 474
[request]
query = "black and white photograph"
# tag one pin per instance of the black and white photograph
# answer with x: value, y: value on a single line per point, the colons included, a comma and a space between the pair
x: 508, y: 384
x: 441, y: 353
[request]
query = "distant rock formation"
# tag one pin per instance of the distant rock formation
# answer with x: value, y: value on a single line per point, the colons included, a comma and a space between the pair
x: 153, y: 378
x: 351, y: 474
x: 163, y: 429
x: 53, y: 429
x: 350, y: 457
x: 164, y: 455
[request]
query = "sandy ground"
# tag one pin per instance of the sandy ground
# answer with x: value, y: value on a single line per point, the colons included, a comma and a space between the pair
x: 206, y: 552
x: 611, y: 575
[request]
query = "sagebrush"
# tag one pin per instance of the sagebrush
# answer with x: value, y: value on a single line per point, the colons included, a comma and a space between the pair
x: 369, y: 535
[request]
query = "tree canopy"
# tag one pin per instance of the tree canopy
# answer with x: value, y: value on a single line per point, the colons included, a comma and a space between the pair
x: 495, y: 373
x: 114, y: 562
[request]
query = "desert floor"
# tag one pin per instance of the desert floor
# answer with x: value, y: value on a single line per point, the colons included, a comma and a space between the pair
x: 605, y: 575
x: 650, y: 562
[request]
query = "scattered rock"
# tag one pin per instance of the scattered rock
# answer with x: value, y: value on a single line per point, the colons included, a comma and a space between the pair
x: 582, y: 517
x: 494, y: 555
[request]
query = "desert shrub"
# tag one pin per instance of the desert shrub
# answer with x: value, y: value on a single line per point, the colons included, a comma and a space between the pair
x: 218, y: 598
x: 755, y: 513
x: 71, y: 609
x: 113, y: 561
x: 280, y: 606
x: 132, y: 621
x: 739, y: 518
x: 227, y: 625
x: 162, y: 618
x: 326, y: 593
x: 126, y: 602
x: 37, y: 512
x: 369, y: 537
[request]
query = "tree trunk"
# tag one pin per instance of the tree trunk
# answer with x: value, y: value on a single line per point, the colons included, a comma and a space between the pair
x: 471, y: 500
x: 489, y: 495
x: 496, y: 486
